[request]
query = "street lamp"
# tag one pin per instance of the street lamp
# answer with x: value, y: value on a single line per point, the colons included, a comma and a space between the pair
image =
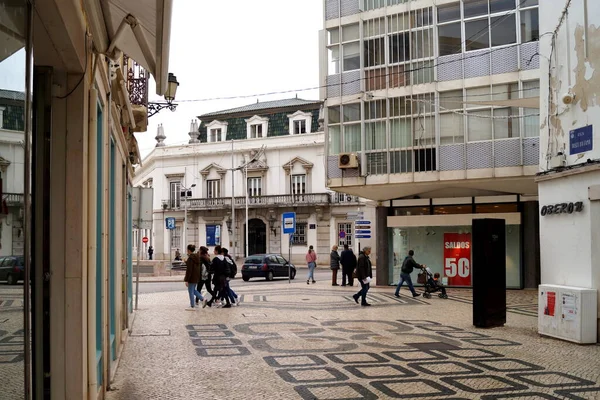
x: 155, y: 107
x: 185, y: 192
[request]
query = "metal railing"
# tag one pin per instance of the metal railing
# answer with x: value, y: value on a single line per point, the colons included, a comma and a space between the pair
x: 13, y: 198
x: 137, y: 81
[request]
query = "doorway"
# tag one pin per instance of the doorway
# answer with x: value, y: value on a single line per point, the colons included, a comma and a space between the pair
x: 257, y: 237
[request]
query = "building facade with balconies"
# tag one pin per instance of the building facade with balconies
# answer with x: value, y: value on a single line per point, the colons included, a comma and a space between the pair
x: 431, y: 109
x: 273, y: 151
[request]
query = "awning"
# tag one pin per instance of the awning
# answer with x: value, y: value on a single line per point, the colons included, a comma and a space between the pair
x: 141, y: 29
x: 529, y: 102
x: 12, y: 30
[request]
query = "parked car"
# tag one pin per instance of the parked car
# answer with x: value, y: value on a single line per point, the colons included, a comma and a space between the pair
x: 267, y: 266
x: 12, y: 269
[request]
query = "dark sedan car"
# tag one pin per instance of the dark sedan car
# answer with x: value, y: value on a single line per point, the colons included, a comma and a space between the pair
x: 267, y: 266
x: 12, y: 269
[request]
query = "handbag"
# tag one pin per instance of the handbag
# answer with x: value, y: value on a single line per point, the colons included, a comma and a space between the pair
x: 422, y: 278
x: 354, y: 276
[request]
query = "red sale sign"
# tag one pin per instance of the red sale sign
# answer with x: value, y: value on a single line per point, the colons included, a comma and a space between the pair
x: 457, y: 258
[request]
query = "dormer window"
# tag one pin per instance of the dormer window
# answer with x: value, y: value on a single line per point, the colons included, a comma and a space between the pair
x: 216, y: 131
x: 300, y: 122
x: 257, y: 127
x: 256, y: 131
x: 299, y: 127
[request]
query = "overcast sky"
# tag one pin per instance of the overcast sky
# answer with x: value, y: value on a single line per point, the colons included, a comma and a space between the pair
x: 237, y: 48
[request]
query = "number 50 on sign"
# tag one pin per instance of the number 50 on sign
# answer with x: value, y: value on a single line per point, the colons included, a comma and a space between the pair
x: 457, y: 258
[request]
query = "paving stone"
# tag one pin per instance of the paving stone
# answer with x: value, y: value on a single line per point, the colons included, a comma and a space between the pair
x: 327, y: 347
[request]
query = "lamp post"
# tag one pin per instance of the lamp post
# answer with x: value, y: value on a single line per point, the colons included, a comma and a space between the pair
x: 186, y: 192
x: 155, y: 107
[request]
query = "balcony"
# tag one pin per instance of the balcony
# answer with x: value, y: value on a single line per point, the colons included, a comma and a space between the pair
x: 280, y: 200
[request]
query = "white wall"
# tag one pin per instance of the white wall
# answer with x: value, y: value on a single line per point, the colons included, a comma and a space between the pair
x: 571, y: 72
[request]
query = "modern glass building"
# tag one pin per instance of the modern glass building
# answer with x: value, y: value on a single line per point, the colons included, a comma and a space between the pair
x: 431, y: 108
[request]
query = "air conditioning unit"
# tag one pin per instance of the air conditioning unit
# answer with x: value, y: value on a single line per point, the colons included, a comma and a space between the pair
x: 347, y: 160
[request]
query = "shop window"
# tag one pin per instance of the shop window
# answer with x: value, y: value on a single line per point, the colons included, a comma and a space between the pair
x: 453, y: 209
x: 496, y: 208
x: 405, y: 211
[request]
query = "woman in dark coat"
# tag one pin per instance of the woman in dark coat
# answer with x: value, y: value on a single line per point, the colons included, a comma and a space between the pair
x: 192, y: 275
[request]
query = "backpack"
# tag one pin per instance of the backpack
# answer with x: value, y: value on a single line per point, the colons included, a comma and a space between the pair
x: 232, y: 267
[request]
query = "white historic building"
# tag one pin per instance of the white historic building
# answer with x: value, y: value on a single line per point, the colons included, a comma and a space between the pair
x: 272, y: 155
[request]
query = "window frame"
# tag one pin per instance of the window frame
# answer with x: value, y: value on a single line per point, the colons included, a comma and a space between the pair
x: 175, y: 194
x: 211, y: 191
x: 299, y: 238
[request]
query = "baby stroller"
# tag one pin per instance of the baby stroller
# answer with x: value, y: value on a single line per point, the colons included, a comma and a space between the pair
x: 425, y: 278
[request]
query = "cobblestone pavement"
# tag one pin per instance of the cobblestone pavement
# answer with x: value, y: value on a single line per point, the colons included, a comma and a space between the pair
x: 303, y: 341
x: 11, y: 342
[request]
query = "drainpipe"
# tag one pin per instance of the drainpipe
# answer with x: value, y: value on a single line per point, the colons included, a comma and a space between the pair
x: 106, y: 299
x: 91, y: 262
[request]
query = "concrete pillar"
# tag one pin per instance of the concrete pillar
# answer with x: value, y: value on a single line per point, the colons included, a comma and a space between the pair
x: 68, y: 241
x: 382, y: 260
x: 531, y: 244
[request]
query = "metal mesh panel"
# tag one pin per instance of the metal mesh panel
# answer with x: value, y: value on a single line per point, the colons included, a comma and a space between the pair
x: 350, y: 7
x: 450, y: 67
x: 333, y: 86
x: 479, y: 155
x: 530, y: 58
x: 452, y: 157
x: 332, y: 168
x: 531, y: 151
x: 507, y: 153
x: 351, y: 83
x: 332, y: 9
x: 333, y: 171
x: 505, y: 60
x: 477, y: 63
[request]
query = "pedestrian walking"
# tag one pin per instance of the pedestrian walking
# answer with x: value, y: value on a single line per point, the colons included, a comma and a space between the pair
x: 364, y: 274
x: 311, y: 261
x: 192, y: 275
x: 150, y: 252
x: 348, y: 261
x: 206, y: 273
x: 408, y: 266
x: 334, y: 264
x: 221, y: 272
x: 233, y: 297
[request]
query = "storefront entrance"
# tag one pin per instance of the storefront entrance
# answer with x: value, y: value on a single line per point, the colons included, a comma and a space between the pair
x: 257, y: 237
x: 444, y: 244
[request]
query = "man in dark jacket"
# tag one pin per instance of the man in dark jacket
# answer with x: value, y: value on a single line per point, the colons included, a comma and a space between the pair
x: 221, y: 271
x: 348, y: 261
x: 408, y: 265
x: 364, y: 274
x: 334, y: 264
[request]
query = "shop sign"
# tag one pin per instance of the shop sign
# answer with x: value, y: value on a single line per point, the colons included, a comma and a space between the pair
x: 562, y: 208
x: 457, y: 258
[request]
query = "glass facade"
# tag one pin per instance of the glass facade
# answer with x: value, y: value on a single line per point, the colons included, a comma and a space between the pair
x: 446, y: 250
x: 14, y: 210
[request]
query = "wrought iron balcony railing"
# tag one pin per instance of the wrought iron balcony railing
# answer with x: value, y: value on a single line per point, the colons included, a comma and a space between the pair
x: 137, y: 81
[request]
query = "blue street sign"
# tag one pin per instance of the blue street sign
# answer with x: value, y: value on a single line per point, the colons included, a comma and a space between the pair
x: 362, y: 222
x: 170, y: 222
x: 363, y: 231
x: 289, y: 222
x: 342, y: 234
x: 581, y: 140
x: 363, y: 236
